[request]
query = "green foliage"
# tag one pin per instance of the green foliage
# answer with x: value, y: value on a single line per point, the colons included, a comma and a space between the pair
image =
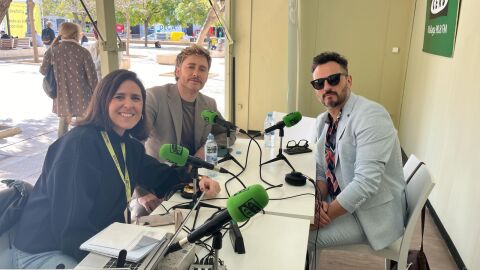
x: 50, y: 8
x: 167, y: 12
x: 71, y: 9
x: 189, y: 11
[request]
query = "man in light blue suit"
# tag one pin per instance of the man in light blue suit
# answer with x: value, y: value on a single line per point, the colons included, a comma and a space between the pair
x: 359, y: 165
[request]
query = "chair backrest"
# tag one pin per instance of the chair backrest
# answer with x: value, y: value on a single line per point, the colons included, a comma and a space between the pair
x: 411, y: 166
x: 417, y: 192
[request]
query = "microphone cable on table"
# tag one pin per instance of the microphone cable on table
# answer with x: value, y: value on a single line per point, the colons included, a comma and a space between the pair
x: 318, y: 200
x: 252, y: 138
x: 291, y: 197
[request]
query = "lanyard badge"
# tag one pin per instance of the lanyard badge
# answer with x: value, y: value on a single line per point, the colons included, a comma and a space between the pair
x: 125, y: 177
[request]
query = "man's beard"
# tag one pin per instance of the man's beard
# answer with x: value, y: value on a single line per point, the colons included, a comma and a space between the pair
x: 330, y: 103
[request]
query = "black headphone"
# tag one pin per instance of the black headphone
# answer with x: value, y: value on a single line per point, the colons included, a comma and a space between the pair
x: 295, y: 178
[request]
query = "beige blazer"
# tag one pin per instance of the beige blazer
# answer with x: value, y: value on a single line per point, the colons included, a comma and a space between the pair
x: 164, y: 111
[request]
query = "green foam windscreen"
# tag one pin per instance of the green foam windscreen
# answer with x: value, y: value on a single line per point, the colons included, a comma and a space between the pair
x: 292, y: 119
x: 246, y: 203
x: 174, y: 153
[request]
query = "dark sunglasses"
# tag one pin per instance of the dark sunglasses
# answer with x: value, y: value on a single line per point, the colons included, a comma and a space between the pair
x: 333, y: 80
x: 293, y: 144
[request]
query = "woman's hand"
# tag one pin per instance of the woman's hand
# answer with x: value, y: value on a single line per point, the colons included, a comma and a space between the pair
x: 149, y: 201
x: 209, y: 186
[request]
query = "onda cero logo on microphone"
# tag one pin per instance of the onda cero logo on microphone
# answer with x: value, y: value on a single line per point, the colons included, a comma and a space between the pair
x: 438, y: 8
x: 250, y: 208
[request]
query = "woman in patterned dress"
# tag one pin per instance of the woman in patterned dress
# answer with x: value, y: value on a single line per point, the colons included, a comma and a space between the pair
x: 74, y: 72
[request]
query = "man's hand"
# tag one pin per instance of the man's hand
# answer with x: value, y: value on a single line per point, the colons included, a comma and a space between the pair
x: 209, y: 186
x: 321, y: 217
x: 200, y: 153
x: 149, y: 201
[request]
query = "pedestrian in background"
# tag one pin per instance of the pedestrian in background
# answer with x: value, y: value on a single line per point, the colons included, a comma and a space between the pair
x: 74, y: 73
x: 48, y: 35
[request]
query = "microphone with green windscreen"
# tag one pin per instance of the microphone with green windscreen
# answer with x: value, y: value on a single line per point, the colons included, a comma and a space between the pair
x: 247, y: 202
x: 240, y: 207
x: 213, y: 117
x: 179, y: 155
x: 288, y: 120
x: 174, y: 153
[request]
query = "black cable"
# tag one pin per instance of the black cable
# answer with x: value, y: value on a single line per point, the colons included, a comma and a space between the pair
x: 95, y: 25
x: 216, y: 198
x: 260, y: 164
x: 234, y: 177
x: 196, y: 259
x: 244, y: 166
x: 178, y: 204
x: 318, y: 200
x: 218, y: 18
x: 290, y: 197
x: 92, y: 20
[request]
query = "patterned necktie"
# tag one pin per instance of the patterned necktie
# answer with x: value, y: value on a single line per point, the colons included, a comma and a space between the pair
x: 330, y: 144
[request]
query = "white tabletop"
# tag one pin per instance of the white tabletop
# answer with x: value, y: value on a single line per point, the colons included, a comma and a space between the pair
x: 271, y: 241
x: 274, y: 173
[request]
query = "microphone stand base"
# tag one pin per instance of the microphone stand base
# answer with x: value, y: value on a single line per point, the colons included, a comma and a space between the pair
x: 191, y: 204
x: 206, y: 266
x: 180, y: 259
x: 227, y: 157
x: 279, y: 157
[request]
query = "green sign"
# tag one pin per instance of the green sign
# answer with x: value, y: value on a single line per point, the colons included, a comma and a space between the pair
x: 440, y: 27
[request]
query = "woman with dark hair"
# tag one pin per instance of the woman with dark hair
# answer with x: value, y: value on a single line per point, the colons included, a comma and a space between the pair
x: 88, y: 177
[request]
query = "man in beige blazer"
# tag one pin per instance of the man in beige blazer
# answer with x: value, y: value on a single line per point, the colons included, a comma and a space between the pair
x: 174, y: 110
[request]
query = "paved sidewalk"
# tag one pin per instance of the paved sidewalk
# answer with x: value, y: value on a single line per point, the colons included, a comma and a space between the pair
x: 25, y: 105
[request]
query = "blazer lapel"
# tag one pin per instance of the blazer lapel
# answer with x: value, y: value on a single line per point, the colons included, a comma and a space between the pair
x: 175, y: 106
x: 346, y: 112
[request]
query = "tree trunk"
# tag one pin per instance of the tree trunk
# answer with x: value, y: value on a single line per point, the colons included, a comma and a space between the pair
x: 32, y: 29
x: 82, y: 22
x: 75, y: 17
x: 211, y: 18
x: 4, y: 4
x: 127, y: 18
x: 206, y: 26
x: 145, y: 24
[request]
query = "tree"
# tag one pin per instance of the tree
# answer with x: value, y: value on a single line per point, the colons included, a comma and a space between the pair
x: 72, y: 9
x: 123, y: 9
x: 193, y: 12
x: 146, y: 12
x: 4, y: 5
x: 167, y: 12
x: 211, y: 18
x: 31, y: 6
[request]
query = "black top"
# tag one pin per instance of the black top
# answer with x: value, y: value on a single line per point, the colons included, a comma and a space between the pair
x: 48, y: 35
x: 188, y: 127
x: 80, y: 192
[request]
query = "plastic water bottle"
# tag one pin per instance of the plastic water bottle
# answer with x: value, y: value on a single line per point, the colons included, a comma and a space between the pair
x: 269, y: 138
x: 211, y: 153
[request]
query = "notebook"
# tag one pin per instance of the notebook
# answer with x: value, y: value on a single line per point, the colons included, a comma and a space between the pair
x: 138, y: 241
x: 150, y: 262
